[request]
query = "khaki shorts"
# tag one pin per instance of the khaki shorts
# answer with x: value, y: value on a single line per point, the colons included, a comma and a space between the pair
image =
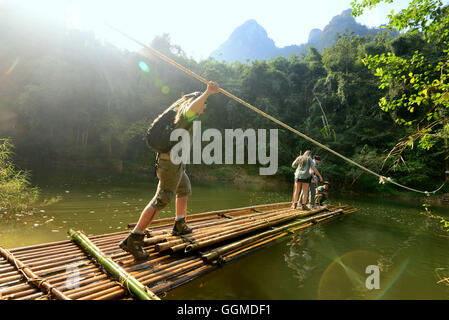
x: 172, y: 180
x: 320, y: 198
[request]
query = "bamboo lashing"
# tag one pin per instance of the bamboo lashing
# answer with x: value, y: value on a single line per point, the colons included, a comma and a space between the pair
x: 31, y: 276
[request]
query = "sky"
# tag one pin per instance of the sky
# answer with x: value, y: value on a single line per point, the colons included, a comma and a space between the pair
x: 199, y: 26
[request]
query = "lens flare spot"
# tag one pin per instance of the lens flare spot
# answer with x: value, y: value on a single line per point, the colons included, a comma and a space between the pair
x: 165, y: 90
x: 345, y: 277
x: 143, y: 66
x: 16, y: 61
x: 393, y: 278
x: 158, y: 83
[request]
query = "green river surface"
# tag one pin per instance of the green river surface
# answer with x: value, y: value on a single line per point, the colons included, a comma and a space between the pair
x: 324, y: 262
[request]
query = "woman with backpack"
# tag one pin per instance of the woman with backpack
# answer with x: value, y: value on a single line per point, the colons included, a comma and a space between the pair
x: 172, y: 177
x: 304, y: 165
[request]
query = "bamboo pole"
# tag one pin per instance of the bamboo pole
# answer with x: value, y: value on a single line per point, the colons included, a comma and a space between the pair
x: 118, y: 292
x: 152, y: 276
x: 218, y: 212
x: 181, y: 242
x: 168, y: 274
x: 31, y: 276
x: 215, y: 234
x: 60, y: 244
x: 177, y: 242
x: 32, y: 296
x: 128, y: 281
x: 221, y: 250
x: 37, y: 258
x: 43, y: 262
x: 257, y: 226
x: 162, y: 235
x: 95, y: 290
x: 58, y: 277
x: 8, y: 279
x: 40, y: 246
x: 94, y: 287
x: 231, y: 255
x: 168, y: 271
x: 111, y: 296
x: 16, y: 288
x: 169, y: 285
x: 45, y: 269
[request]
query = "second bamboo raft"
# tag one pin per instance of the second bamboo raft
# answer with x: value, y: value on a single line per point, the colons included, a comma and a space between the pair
x: 68, y: 272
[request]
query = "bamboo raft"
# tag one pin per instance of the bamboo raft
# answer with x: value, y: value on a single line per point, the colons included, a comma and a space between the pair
x: 95, y: 268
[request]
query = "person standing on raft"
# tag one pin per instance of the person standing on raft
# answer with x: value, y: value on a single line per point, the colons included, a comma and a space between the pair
x: 172, y: 178
x: 303, y: 177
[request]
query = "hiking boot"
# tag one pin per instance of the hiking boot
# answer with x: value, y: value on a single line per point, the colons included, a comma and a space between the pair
x: 181, y: 228
x: 133, y: 244
x: 304, y: 207
x: 294, y: 206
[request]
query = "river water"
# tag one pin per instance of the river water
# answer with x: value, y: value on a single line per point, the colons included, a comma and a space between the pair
x: 327, y: 261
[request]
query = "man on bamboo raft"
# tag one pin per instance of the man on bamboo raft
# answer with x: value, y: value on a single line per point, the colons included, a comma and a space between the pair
x: 172, y: 178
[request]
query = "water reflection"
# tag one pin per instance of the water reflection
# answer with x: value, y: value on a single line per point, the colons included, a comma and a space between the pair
x: 301, y: 254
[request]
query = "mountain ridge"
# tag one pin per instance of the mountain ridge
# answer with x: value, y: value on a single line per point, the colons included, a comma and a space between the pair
x: 250, y: 41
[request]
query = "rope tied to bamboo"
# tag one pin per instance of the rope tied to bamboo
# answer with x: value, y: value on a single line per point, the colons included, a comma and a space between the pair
x: 382, y: 179
x: 124, y: 282
x: 40, y: 282
x: 31, y: 277
x: 40, y: 285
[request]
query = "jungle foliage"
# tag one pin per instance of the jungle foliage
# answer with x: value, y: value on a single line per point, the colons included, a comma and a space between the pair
x: 67, y: 98
x: 16, y: 194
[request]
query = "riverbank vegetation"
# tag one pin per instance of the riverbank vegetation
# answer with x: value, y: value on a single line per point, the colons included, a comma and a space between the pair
x: 16, y: 194
x: 69, y: 99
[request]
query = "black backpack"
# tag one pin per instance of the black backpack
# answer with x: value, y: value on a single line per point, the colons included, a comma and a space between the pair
x: 158, y: 134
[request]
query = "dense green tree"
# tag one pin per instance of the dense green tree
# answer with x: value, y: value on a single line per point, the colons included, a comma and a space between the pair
x: 414, y: 73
